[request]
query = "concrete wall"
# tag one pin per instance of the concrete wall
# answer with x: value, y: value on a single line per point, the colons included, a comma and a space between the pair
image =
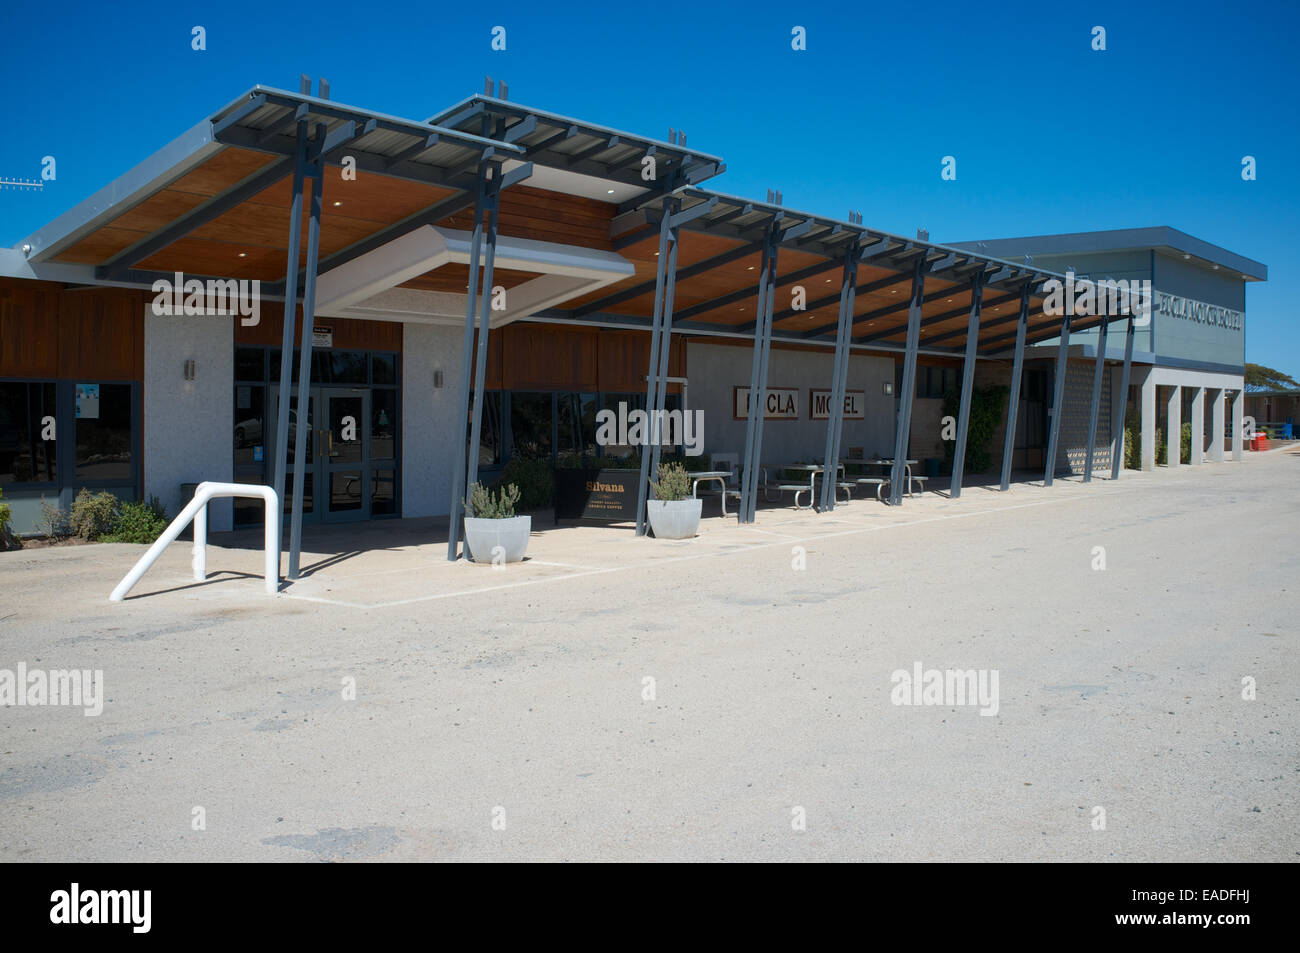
x: 714, y: 369
x: 428, y: 417
x: 188, y: 425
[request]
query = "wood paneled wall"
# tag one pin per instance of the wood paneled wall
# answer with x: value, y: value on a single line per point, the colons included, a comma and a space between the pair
x: 49, y: 331
x: 525, y: 356
x: 349, y: 334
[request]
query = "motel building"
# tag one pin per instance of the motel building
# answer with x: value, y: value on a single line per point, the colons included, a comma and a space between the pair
x: 610, y: 274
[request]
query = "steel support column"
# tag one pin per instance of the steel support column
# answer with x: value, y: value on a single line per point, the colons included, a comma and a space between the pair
x: 305, y: 418
x: 461, y: 447
x: 1058, y: 399
x: 290, y: 320
x: 839, y: 379
x: 902, y: 437
x: 492, y: 199
x: 665, y: 350
x: 1098, y: 371
x: 666, y: 237
x: 1118, y: 436
x: 758, y: 380
x: 967, y: 385
x: 1013, y: 396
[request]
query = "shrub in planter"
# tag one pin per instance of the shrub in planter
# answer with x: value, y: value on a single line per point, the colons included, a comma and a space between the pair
x: 493, y: 533
x: 673, y: 513
x: 94, y: 514
x: 139, y: 522
x: 53, y: 520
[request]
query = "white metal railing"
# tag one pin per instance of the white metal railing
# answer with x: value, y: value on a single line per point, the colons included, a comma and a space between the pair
x: 197, y: 511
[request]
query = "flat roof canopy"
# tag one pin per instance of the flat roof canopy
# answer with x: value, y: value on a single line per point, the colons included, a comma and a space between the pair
x: 215, y: 203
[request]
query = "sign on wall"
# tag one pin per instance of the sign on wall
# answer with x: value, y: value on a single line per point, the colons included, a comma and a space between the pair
x: 88, y: 401
x: 782, y: 403
x: 855, y: 404
x: 322, y: 336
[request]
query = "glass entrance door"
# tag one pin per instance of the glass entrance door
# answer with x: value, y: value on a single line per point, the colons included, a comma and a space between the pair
x: 337, y: 453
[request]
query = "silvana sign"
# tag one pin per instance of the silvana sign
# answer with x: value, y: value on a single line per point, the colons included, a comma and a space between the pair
x: 1198, y: 312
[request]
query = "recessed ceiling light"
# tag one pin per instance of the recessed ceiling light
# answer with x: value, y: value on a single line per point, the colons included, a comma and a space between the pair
x: 656, y: 254
x: 893, y: 292
x: 950, y: 301
x: 337, y: 204
x: 243, y: 254
x: 610, y: 192
x: 750, y: 268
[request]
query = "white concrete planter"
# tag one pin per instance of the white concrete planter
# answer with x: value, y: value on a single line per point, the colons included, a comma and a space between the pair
x: 674, y: 519
x: 482, y: 536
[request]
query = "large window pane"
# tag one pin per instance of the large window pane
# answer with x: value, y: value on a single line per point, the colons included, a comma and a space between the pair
x: 24, y: 456
x: 576, y: 422
x: 250, y: 364
x: 383, y: 501
x: 383, y: 424
x: 250, y: 416
x: 530, y: 425
x: 346, y: 367
x: 383, y: 368
x: 491, y: 444
x: 612, y: 402
x: 103, y: 432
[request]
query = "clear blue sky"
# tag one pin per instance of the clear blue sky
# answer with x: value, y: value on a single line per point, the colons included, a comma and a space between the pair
x: 1049, y: 135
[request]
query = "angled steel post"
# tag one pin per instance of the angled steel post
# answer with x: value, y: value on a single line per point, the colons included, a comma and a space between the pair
x: 665, y: 349
x: 1058, y: 398
x: 290, y: 321
x: 1121, y: 408
x: 835, y: 415
x: 652, y: 375
x: 749, y: 468
x: 766, y: 353
x: 1013, y: 398
x: 493, y: 199
x: 1098, y: 370
x: 967, y: 385
x: 461, y: 447
x: 844, y: 372
x: 902, y: 437
x: 305, y: 418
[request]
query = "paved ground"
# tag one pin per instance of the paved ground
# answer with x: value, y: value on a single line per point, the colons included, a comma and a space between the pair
x: 516, y: 694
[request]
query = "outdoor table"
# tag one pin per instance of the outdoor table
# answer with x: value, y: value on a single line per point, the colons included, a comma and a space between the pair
x: 720, y: 476
x: 812, y: 469
x: 889, y: 462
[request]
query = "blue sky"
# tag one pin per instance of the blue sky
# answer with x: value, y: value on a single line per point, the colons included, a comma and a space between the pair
x: 1049, y: 136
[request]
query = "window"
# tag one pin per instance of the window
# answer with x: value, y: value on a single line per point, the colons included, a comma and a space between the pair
x: 935, y: 382
x: 383, y: 424
x: 24, y: 456
x: 530, y: 424
x: 576, y: 419
x: 611, y: 403
x: 383, y: 368
x: 489, y: 443
x: 103, y: 445
x: 250, y: 416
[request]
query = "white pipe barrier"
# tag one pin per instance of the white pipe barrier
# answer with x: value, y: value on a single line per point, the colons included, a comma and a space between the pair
x: 197, y: 511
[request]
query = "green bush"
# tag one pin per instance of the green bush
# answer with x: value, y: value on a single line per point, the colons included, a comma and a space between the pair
x: 53, y: 520
x: 138, y: 522
x: 1132, y: 441
x: 987, y: 405
x: 535, y: 480
x: 674, y: 484
x: 4, y: 513
x: 1162, y: 448
x: 94, y: 515
x: 483, y: 505
x: 1185, y: 443
x: 7, y: 539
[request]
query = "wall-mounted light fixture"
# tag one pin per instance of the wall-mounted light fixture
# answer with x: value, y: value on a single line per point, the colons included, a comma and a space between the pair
x: 189, y: 370
x: 437, y: 379
x: 888, y: 388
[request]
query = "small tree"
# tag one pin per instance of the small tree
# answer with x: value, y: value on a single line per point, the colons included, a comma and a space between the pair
x: 674, y: 483
x: 1259, y: 377
x: 482, y: 504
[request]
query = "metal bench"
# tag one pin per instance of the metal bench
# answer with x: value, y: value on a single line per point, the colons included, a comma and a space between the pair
x: 916, y: 479
x: 776, y: 487
x: 878, y: 482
